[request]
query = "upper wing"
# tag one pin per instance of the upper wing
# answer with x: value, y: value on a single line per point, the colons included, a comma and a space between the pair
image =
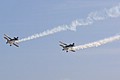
x: 62, y: 43
x: 15, y: 45
x: 7, y: 36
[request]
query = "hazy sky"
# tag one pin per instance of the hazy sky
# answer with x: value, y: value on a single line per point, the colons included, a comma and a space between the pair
x: 43, y: 58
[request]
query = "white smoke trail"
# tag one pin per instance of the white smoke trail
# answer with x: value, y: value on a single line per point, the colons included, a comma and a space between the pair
x: 97, y: 43
x: 92, y: 17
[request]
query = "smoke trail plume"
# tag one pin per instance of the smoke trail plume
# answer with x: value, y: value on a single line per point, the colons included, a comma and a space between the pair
x: 92, y: 17
x: 97, y: 43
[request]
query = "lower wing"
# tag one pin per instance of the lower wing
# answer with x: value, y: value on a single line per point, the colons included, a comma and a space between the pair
x: 73, y: 50
x: 15, y: 45
x: 6, y: 38
x: 62, y: 46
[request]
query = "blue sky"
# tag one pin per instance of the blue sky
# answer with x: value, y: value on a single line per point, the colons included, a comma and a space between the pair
x: 42, y: 58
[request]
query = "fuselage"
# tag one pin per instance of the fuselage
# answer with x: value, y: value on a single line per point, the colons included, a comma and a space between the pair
x: 11, y: 41
x: 68, y: 48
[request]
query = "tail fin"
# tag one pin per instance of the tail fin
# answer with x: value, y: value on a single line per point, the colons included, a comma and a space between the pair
x: 73, y: 44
